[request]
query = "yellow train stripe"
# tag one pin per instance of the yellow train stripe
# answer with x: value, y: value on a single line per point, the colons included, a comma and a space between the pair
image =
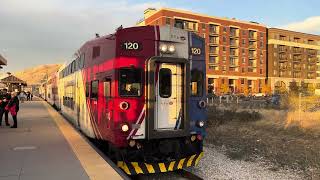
x: 190, y: 160
x: 198, y: 159
x: 181, y: 163
x: 137, y: 167
x: 162, y: 167
x: 150, y: 168
x: 123, y: 166
x: 171, y: 165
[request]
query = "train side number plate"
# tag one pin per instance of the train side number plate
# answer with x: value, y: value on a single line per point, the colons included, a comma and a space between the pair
x: 195, y: 51
x: 131, y: 46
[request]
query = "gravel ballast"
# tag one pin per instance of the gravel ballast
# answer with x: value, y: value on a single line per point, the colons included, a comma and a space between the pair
x: 216, y: 165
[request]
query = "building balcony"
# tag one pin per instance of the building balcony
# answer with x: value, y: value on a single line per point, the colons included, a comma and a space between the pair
x: 212, y: 53
x: 312, y: 60
x: 296, y: 59
x: 213, y: 43
x: 253, y: 46
x: 283, y: 67
x: 297, y: 51
x: 297, y: 68
x: 234, y: 44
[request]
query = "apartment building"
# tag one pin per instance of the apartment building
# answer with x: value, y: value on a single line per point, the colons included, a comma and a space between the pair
x: 236, y: 53
x: 292, y: 57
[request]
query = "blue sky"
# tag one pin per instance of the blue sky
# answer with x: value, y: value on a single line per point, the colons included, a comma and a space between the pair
x: 50, y: 31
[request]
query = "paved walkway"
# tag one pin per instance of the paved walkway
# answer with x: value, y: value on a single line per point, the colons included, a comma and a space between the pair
x: 45, y: 147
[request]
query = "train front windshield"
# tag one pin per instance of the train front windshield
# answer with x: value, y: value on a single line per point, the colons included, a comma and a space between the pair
x: 130, y: 82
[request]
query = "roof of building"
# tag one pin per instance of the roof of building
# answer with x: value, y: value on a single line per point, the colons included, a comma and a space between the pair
x: 296, y: 32
x: 11, y: 79
x: 3, y: 61
x: 203, y: 15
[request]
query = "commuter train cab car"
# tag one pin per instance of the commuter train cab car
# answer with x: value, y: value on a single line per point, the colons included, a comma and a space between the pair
x: 141, y: 92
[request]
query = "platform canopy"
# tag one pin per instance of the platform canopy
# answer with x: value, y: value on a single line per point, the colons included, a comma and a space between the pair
x: 3, y: 61
x: 12, y: 83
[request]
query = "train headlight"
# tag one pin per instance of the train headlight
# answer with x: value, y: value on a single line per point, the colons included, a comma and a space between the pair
x: 202, y: 104
x: 200, y: 123
x: 163, y: 48
x: 124, y: 105
x: 172, y: 49
x: 124, y: 127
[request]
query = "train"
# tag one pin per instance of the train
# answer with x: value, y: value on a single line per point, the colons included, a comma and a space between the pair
x: 140, y: 91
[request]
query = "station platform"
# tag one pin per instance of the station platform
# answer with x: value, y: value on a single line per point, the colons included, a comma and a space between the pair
x: 45, y: 146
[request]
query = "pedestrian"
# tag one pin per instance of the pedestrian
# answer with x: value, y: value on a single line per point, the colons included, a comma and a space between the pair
x: 22, y: 96
x: 2, y: 110
x: 13, y: 108
x: 31, y: 96
x: 5, y: 97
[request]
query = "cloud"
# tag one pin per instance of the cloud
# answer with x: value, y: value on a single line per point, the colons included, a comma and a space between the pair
x: 309, y: 25
x: 38, y: 32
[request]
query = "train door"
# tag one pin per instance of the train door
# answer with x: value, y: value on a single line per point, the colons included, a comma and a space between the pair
x: 108, y: 101
x: 169, y: 96
x: 94, y: 100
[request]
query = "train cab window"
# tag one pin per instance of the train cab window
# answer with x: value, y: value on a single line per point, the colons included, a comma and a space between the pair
x: 165, y: 82
x: 107, y: 88
x: 94, y: 89
x: 95, y: 52
x: 130, y: 82
x: 196, y: 83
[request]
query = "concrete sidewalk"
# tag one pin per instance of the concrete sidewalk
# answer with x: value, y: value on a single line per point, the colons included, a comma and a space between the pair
x: 37, y: 149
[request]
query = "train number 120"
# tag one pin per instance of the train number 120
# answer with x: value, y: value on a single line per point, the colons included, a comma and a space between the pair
x: 131, y: 46
x: 195, y: 51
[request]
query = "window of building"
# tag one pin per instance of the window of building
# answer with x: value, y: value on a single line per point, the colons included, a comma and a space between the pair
x: 243, y: 70
x: 130, y: 82
x: 244, y: 32
x: 95, y: 52
x: 197, y: 80
x: 94, y: 89
x: 243, y: 60
x: 203, y: 25
x: 165, y: 82
x: 242, y: 81
x: 168, y: 21
x: 224, y: 49
x: 213, y: 59
x: 213, y: 29
x: 282, y: 37
x: 224, y: 58
x: 224, y: 39
x: 261, y: 71
x: 224, y: 29
x: 243, y: 41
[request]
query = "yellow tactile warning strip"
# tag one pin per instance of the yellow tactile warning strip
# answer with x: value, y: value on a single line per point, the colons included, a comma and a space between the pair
x: 94, y: 165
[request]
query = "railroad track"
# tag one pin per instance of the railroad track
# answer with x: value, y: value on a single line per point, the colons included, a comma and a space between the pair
x: 100, y: 149
x: 179, y: 175
x: 175, y: 175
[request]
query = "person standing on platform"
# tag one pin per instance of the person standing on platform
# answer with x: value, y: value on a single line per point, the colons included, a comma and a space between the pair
x: 2, y: 110
x: 13, y: 108
x: 5, y: 97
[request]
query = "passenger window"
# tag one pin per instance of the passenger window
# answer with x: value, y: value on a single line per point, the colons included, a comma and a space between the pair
x: 130, y: 82
x: 87, y: 89
x: 107, y: 88
x: 165, y: 82
x: 196, y: 83
x: 94, y: 89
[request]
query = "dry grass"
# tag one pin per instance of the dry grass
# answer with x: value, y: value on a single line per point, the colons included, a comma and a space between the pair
x: 280, y: 136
